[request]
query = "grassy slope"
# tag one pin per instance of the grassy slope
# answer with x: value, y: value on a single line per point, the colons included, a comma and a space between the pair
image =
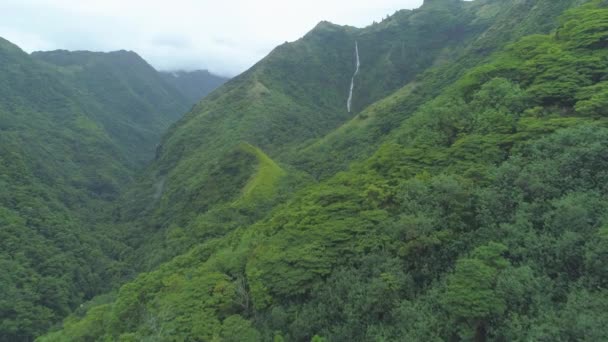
x: 263, y: 183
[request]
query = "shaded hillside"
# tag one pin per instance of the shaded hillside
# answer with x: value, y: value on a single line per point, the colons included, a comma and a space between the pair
x: 194, y: 85
x: 132, y: 101
x: 72, y: 135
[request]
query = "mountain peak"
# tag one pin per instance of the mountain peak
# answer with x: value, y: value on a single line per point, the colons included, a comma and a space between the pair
x: 67, y: 58
x: 439, y: 2
x: 6, y: 45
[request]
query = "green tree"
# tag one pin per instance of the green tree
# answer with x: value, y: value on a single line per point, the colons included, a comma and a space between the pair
x: 471, y: 296
x: 237, y: 329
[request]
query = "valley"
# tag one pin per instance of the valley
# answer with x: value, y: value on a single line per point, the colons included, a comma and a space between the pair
x: 436, y: 176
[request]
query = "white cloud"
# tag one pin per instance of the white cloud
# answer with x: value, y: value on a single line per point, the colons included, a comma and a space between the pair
x: 224, y: 36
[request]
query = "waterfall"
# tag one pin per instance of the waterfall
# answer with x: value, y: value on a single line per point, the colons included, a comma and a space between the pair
x: 352, y: 81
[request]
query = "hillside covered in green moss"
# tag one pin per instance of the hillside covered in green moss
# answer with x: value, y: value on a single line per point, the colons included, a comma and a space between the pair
x: 464, y: 198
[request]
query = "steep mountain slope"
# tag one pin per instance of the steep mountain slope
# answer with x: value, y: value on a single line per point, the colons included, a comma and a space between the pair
x: 195, y: 85
x: 72, y: 134
x: 53, y: 157
x: 486, y: 26
x: 125, y: 94
x: 293, y: 98
x: 480, y: 217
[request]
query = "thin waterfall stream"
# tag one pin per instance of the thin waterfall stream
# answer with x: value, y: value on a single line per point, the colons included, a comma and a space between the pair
x: 352, y: 82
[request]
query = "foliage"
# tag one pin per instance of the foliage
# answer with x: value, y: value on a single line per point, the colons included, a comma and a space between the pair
x: 74, y: 130
x: 478, y: 214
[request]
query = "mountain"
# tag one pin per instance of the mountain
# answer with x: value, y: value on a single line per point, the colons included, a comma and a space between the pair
x: 75, y: 128
x: 462, y: 198
x: 484, y: 26
x: 136, y: 105
x: 279, y: 107
x: 195, y: 85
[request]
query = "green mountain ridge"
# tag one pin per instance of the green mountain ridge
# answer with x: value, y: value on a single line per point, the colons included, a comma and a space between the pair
x: 275, y: 105
x: 279, y: 107
x: 130, y: 90
x: 493, y: 26
x: 75, y: 128
x: 463, y: 199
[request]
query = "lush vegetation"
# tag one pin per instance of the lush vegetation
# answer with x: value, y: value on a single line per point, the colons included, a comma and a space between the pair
x: 124, y: 94
x: 279, y: 107
x: 479, y: 215
x: 74, y: 130
x: 470, y: 32
x: 464, y: 199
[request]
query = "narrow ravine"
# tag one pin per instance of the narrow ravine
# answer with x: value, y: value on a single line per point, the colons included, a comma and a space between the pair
x: 352, y: 82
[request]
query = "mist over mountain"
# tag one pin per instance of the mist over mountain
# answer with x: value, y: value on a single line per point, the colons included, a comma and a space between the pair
x: 195, y: 85
x: 436, y: 176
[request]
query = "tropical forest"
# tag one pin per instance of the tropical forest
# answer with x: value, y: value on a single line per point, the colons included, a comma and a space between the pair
x: 440, y: 175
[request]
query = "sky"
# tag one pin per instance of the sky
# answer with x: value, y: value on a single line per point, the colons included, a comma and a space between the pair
x: 224, y: 36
